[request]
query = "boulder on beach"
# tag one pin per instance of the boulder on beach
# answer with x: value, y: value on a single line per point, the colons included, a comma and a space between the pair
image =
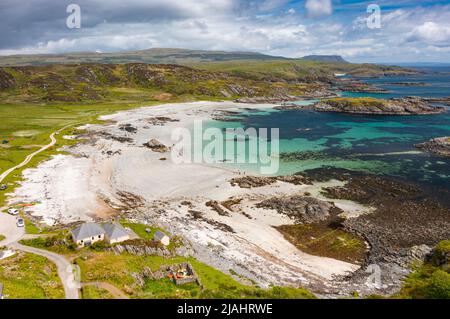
x: 156, y: 146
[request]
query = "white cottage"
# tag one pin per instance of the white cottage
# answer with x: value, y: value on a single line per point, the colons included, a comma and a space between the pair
x: 88, y: 234
x: 115, y: 233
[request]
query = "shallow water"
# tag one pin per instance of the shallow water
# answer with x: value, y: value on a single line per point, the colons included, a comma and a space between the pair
x: 377, y: 144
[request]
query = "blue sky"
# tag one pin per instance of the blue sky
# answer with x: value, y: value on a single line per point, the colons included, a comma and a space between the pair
x: 411, y: 31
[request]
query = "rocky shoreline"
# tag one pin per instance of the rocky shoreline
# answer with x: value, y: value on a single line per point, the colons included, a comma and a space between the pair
x: 409, y: 83
x: 318, y: 94
x: 439, y: 146
x: 407, y: 222
x: 370, y: 106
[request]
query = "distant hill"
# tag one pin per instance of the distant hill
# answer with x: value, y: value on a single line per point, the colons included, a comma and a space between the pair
x: 325, y: 58
x: 153, y: 56
x: 150, y: 56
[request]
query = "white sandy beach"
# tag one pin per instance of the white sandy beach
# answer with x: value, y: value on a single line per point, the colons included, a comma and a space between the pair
x: 104, y: 177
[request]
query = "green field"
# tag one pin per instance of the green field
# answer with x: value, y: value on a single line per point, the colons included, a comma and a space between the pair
x: 28, y: 276
x: 93, y: 292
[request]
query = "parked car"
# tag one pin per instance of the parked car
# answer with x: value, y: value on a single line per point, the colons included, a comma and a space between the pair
x: 13, y: 211
x: 20, y: 222
x: 3, y: 187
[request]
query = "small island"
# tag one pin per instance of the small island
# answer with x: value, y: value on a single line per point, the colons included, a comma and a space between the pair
x: 438, y: 146
x: 372, y: 106
x: 357, y: 86
x: 409, y: 83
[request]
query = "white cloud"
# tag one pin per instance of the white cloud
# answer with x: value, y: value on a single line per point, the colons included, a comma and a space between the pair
x: 431, y: 32
x: 317, y: 8
x: 410, y: 34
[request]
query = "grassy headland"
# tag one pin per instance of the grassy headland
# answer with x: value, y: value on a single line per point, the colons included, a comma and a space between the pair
x: 28, y: 276
x: 299, y: 70
x: 432, y: 279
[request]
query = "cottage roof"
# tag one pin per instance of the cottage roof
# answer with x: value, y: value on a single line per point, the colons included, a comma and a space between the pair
x: 87, y: 230
x: 114, y: 230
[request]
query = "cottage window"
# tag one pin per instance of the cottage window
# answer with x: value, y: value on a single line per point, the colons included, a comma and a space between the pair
x: 93, y: 238
x: 99, y: 236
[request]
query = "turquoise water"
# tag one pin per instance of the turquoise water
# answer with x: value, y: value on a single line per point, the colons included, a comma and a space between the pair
x: 378, y: 144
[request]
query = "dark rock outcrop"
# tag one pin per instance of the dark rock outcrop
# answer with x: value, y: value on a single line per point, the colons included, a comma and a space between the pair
x: 260, y: 181
x: 6, y: 80
x: 128, y: 128
x: 405, y: 216
x: 302, y: 209
x: 156, y: 146
x: 438, y: 146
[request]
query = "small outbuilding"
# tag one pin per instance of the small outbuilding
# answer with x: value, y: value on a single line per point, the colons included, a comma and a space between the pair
x: 162, y: 238
x: 115, y: 233
x: 88, y: 234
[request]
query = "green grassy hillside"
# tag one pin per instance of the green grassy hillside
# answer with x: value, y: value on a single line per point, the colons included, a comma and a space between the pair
x: 299, y: 70
x: 132, y: 82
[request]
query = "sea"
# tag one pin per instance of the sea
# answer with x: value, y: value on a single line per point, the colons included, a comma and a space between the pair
x: 378, y: 144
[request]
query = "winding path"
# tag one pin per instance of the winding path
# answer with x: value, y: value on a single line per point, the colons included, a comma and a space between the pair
x: 13, y: 234
x: 64, y: 267
x: 113, y: 290
x: 30, y: 156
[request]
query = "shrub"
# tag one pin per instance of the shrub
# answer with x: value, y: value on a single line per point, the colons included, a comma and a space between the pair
x: 439, y: 285
x: 99, y: 246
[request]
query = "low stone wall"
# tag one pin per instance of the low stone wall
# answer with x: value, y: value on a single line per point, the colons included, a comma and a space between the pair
x: 142, y: 250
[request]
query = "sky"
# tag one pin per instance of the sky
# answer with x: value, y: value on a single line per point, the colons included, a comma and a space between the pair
x: 409, y: 31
